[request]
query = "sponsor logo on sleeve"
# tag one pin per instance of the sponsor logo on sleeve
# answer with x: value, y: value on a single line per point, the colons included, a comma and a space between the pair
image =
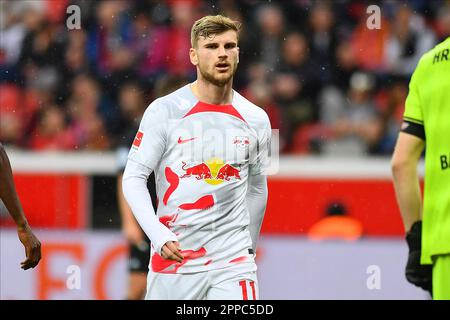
x: 138, y: 139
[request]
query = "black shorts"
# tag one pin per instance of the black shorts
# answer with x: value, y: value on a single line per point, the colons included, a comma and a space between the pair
x: 139, y: 256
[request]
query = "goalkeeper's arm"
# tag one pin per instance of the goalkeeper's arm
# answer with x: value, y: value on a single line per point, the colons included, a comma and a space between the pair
x: 406, y: 182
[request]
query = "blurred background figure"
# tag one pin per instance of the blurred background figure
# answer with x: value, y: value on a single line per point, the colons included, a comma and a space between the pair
x: 133, y: 101
x: 336, y: 225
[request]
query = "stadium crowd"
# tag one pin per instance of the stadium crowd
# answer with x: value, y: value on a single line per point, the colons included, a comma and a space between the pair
x: 328, y: 82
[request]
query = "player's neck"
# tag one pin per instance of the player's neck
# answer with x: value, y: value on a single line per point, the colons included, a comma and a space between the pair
x: 209, y: 93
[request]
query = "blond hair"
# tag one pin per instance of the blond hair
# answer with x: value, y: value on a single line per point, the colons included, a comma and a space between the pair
x: 211, y: 25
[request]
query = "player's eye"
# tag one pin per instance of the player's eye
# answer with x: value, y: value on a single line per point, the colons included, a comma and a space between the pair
x: 211, y: 46
x: 230, y: 45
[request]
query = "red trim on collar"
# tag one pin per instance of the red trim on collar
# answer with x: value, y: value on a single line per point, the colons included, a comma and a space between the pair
x: 206, y: 107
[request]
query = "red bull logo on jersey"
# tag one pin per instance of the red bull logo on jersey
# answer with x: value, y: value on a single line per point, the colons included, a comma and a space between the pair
x: 227, y: 171
x: 241, y: 142
x: 213, y: 171
x: 200, y: 171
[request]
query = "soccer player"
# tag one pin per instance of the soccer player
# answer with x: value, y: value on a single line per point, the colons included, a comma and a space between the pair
x: 426, y: 123
x: 11, y: 201
x: 208, y: 147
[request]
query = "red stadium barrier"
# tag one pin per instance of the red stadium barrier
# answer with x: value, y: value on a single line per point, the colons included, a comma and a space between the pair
x: 52, y: 200
x: 294, y: 205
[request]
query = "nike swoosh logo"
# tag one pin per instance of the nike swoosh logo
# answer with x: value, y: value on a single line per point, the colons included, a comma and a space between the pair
x: 180, y: 141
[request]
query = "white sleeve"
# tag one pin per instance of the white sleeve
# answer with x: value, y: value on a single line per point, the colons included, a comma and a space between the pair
x: 150, y: 141
x: 259, y: 159
x: 256, y: 198
x: 134, y: 185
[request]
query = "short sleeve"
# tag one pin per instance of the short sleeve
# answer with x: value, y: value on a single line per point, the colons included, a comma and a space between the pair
x: 413, y: 104
x: 259, y: 162
x: 150, y: 141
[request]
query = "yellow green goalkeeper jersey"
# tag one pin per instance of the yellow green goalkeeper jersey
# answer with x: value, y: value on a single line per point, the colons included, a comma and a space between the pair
x: 428, y: 104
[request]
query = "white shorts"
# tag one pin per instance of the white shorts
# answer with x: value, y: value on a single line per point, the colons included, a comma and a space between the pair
x: 230, y: 283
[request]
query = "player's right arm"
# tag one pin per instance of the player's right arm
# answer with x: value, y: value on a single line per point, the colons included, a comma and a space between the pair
x: 145, y: 154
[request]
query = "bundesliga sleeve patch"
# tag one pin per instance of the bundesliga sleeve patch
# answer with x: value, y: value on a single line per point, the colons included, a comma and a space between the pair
x: 138, y: 139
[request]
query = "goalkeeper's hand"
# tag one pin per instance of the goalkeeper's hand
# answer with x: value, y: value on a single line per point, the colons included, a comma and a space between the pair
x: 416, y: 273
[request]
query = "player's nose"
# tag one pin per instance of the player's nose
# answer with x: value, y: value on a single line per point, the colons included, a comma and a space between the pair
x: 222, y: 52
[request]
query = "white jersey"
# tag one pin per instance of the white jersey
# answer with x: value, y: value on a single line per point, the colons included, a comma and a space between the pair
x: 202, y: 155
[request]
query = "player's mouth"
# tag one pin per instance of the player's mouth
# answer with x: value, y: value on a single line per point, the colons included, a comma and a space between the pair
x: 222, y: 66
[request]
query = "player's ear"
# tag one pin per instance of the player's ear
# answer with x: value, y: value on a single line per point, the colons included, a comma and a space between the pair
x: 193, y: 56
x: 237, y: 55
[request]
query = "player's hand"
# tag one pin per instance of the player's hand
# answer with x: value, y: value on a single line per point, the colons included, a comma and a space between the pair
x: 32, y: 247
x: 133, y: 233
x: 172, y: 251
x: 416, y: 273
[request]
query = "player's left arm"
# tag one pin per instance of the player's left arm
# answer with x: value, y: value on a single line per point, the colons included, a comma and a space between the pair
x: 256, y: 197
x: 257, y: 192
x: 406, y: 180
x: 10, y: 198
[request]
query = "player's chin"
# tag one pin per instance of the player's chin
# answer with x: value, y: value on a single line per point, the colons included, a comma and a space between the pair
x: 224, y: 76
x: 222, y: 80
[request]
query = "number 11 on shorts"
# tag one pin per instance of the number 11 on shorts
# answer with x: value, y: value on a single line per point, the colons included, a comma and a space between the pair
x: 243, y: 285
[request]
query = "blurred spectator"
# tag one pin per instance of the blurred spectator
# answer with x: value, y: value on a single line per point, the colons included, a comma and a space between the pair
x: 11, y: 124
x: 41, y: 46
x: 296, y: 59
x: 263, y: 43
x: 12, y: 32
x: 346, y: 66
x: 443, y: 23
x: 369, y: 45
x: 323, y: 40
x: 149, y: 42
x: 132, y: 104
x: 261, y: 94
x: 94, y: 118
x: 354, y: 122
x: 336, y: 225
x: 110, y: 33
x: 75, y: 56
x: 409, y: 40
x: 51, y: 132
x: 295, y: 86
x: 179, y: 41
